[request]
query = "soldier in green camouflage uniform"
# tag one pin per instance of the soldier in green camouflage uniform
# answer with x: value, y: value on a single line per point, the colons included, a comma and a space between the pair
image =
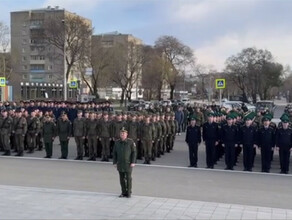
x: 174, y: 127
x: 132, y: 128
x: 124, y: 157
x: 39, y: 138
x: 140, y: 122
x: 64, y: 131
x: 163, y: 134
x: 147, y: 139
x: 49, y: 134
x: 105, y: 126
x: 19, y: 130
x: 79, y: 133
x: 91, y: 134
x: 168, y: 132
x: 116, y: 127
x: 85, y: 143
x: 158, y: 131
x: 33, y: 128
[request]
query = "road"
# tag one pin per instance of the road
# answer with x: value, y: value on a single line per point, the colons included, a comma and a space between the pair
x: 192, y: 184
x: 167, y: 177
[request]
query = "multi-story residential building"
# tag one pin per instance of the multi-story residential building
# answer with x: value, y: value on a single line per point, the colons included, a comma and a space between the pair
x: 38, y: 68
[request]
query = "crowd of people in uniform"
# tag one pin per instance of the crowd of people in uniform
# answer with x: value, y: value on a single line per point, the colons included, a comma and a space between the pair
x: 230, y: 132
x: 34, y: 125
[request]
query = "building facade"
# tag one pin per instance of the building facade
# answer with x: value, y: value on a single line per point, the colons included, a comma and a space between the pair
x: 110, y: 40
x: 38, y: 68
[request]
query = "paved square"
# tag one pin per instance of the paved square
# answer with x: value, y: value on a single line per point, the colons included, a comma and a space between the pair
x: 43, y: 203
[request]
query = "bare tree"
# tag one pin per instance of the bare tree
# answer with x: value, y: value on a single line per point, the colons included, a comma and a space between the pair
x: 4, y: 36
x: 152, y: 78
x: 5, y: 63
x: 176, y: 57
x: 126, y: 67
x: 100, y: 61
x: 254, y: 72
x: 72, y: 36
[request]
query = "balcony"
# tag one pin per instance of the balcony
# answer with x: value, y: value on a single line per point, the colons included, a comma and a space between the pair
x: 37, y: 71
x: 37, y: 61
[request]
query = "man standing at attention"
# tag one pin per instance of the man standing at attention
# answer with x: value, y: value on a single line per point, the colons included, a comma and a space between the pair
x: 193, y: 139
x: 124, y: 157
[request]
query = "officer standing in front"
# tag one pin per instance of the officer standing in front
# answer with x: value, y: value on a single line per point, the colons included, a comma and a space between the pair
x: 124, y: 157
x: 193, y: 139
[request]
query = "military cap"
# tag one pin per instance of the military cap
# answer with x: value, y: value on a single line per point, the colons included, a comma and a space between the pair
x: 118, y: 113
x: 146, y: 115
x: 123, y: 129
x: 193, y: 118
x: 210, y: 114
x: 265, y: 118
x: 269, y: 115
x: 111, y: 113
x: 18, y: 111
x: 4, y: 110
x: 285, y: 118
x: 105, y: 113
x: 79, y: 111
x: 99, y: 112
x: 230, y: 116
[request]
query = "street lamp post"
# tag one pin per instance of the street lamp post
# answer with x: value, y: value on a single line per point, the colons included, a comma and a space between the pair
x: 65, y: 65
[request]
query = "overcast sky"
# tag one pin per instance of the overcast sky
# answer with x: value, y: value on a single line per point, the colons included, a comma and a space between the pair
x: 214, y: 29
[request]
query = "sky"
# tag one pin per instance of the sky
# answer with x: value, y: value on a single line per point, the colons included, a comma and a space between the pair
x: 214, y: 29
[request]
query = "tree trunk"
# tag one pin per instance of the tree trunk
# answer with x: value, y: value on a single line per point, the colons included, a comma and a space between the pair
x: 122, y: 97
x: 254, y: 97
x: 171, y: 91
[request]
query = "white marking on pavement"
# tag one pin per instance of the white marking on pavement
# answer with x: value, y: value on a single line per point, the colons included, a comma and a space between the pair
x: 152, y: 165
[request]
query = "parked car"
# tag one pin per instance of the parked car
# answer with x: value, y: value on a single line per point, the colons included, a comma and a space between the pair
x: 266, y: 104
x: 133, y: 105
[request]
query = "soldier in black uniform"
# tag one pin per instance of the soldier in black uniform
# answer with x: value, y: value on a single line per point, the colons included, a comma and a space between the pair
x: 266, y: 143
x: 248, y: 139
x: 193, y: 139
x: 284, y: 143
x: 210, y: 137
x: 229, y: 137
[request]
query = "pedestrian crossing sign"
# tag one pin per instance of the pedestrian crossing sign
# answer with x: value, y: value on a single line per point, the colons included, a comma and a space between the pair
x: 220, y: 84
x: 73, y: 84
x: 2, y: 81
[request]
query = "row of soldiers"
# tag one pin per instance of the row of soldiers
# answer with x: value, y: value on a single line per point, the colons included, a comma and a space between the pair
x: 94, y: 133
x: 229, y: 135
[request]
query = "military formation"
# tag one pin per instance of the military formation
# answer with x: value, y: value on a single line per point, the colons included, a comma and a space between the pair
x: 30, y: 126
x: 228, y: 133
x: 95, y: 128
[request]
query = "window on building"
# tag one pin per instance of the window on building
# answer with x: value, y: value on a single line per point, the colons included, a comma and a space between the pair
x: 50, y: 67
x: 24, y: 41
x: 23, y: 58
x: 37, y: 67
x: 24, y: 76
x: 23, y: 33
x: 23, y: 50
x: 24, y: 67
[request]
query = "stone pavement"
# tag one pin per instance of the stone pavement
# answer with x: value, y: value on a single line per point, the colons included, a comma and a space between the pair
x: 43, y: 203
